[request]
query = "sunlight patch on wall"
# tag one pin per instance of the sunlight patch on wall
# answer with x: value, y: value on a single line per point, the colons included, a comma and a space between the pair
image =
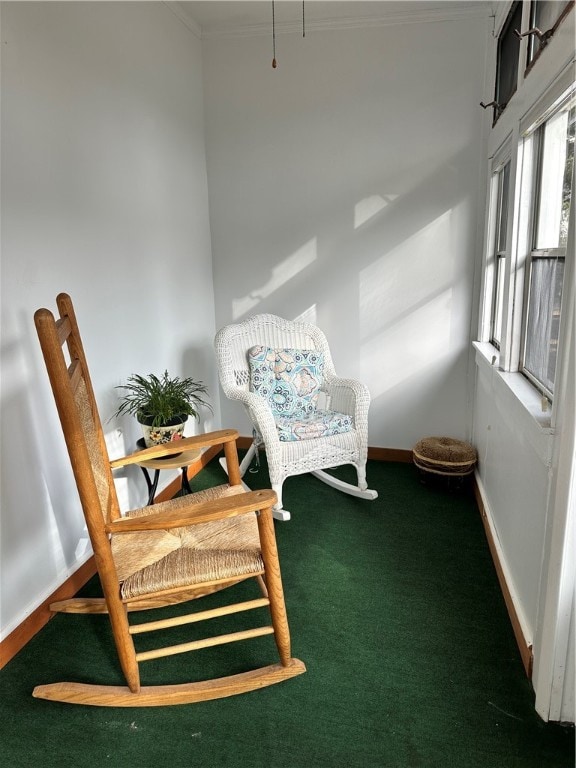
x: 83, y: 548
x: 406, y: 307
x: 122, y: 491
x: 281, y: 274
x: 369, y: 207
x: 406, y: 277
x: 406, y: 349
x: 308, y: 316
x: 115, y: 443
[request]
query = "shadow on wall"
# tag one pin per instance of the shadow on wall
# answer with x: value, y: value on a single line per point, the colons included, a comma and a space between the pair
x: 40, y: 519
x: 389, y: 275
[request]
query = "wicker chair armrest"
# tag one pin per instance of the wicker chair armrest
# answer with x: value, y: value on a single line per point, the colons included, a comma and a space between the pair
x: 187, y: 444
x: 203, y: 512
x: 348, y: 396
x: 259, y: 412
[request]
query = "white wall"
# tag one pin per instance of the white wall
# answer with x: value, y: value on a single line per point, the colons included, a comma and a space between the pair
x: 104, y: 196
x: 527, y: 462
x: 344, y: 185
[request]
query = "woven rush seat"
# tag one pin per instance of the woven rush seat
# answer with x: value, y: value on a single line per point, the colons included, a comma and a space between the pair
x: 444, y: 456
x: 167, y: 559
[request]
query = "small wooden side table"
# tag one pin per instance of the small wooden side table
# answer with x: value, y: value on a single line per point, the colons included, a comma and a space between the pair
x: 178, y: 461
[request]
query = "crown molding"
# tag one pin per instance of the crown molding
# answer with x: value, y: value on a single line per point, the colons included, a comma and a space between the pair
x: 184, y: 17
x: 392, y: 18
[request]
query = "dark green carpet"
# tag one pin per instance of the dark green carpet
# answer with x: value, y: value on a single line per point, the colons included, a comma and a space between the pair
x: 394, y: 607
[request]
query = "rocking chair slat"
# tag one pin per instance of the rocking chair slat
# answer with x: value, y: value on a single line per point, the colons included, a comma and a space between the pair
x: 64, y: 329
x: 207, y: 642
x: 190, y: 618
x: 98, y: 604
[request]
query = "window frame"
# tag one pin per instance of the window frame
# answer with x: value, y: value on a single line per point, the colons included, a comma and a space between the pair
x: 535, y: 47
x: 507, y: 32
x: 498, y: 255
x: 534, y: 137
x: 537, y: 96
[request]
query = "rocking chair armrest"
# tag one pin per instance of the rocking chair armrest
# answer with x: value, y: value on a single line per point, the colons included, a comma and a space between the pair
x: 204, y: 512
x: 187, y: 444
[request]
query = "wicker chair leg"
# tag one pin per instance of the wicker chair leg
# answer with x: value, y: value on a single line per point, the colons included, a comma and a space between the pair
x: 340, y: 485
x: 278, y: 512
x: 361, y: 471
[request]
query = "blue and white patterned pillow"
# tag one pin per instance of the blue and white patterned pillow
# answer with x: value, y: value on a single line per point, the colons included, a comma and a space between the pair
x: 289, y: 379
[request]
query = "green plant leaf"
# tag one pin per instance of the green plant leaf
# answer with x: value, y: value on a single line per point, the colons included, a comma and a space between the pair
x: 162, y: 398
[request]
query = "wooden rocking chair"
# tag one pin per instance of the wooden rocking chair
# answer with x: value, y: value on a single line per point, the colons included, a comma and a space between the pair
x: 163, y: 554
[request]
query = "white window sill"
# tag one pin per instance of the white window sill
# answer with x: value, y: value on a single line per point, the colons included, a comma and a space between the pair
x: 517, y: 386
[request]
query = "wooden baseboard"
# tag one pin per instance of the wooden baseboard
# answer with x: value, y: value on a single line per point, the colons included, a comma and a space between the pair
x: 25, y: 631
x: 376, y: 454
x: 390, y: 454
x: 525, y: 648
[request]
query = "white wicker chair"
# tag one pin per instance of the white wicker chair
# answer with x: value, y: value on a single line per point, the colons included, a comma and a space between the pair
x: 346, y: 396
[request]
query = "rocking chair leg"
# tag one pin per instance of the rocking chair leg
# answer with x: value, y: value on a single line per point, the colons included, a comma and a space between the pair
x: 274, y: 586
x: 340, y: 485
x: 244, y: 464
x: 124, y: 644
x: 278, y: 512
x: 247, y: 460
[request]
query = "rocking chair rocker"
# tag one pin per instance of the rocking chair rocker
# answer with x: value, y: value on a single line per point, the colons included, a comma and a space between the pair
x: 163, y: 554
x: 307, y: 417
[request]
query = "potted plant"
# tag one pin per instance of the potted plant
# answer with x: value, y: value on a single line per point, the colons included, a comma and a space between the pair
x: 162, y: 405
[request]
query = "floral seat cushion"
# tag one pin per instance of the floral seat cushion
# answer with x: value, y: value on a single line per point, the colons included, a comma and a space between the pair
x: 290, y: 380
x: 312, y: 425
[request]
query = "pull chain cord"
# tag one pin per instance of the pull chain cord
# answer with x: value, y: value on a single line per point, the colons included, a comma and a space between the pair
x: 274, y: 64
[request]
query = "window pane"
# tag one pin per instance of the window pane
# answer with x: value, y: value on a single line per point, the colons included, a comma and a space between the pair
x: 546, y: 277
x: 498, y: 302
x: 508, y: 51
x: 543, y: 15
x: 503, y: 217
x: 499, y: 253
x: 567, y: 181
x: 555, y: 181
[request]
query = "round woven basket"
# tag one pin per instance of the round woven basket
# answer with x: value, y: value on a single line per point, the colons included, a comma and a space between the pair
x: 444, y: 456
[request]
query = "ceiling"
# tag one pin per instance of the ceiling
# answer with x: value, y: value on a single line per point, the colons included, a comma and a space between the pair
x: 235, y: 17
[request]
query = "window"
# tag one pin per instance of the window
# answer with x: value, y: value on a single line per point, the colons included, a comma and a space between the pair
x: 554, y: 155
x: 545, y: 16
x: 507, y: 65
x: 501, y: 183
x: 529, y: 243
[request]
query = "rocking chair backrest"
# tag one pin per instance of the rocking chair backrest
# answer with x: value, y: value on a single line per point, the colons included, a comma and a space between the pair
x: 78, y: 413
x: 233, y: 342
